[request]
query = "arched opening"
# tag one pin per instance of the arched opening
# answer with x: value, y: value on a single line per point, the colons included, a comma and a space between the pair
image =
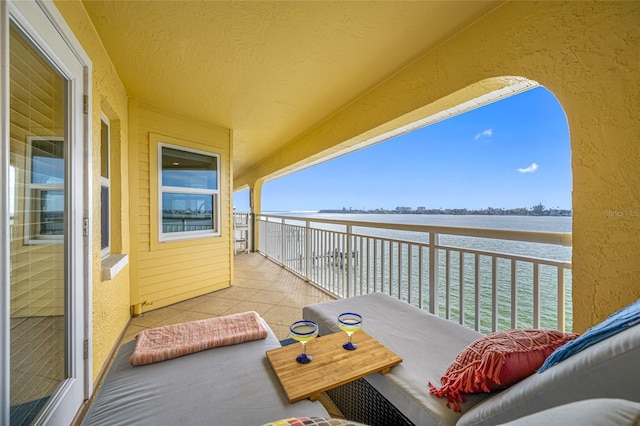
x: 505, y: 165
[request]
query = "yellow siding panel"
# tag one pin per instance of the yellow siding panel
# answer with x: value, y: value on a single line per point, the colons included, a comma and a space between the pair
x: 164, y: 270
x: 169, y: 278
x: 173, y: 271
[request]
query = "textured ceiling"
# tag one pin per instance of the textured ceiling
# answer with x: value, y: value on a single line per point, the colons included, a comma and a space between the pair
x: 269, y: 71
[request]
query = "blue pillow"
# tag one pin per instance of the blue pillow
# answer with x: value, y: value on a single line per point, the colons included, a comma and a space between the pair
x: 617, y: 322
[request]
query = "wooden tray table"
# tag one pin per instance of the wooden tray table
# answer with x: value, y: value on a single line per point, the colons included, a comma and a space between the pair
x: 332, y: 366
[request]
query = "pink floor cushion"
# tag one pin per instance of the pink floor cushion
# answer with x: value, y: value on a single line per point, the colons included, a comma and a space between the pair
x: 313, y: 421
x: 496, y: 361
x: 172, y: 341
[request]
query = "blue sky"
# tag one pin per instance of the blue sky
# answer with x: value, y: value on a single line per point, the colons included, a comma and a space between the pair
x: 511, y: 153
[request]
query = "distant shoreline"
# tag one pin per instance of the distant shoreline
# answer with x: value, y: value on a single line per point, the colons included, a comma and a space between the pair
x: 456, y: 212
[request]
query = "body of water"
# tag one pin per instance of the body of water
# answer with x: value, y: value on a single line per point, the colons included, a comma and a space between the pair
x: 519, y: 223
x: 514, y: 223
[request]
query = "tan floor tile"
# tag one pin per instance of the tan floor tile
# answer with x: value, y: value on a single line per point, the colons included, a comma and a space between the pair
x: 298, y: 300
x: 214, y: 305
x: 155, y: 317
x: 188, y: 305
x: 236, y: 293
x: 281, y: 331
x: 131, y: 332
x: 325, y: 298
x: 185, y: 316
x: 298, y: 287
x: 266, y: 296
x: 245, y: 306
x: 247, y: 273
x: 254, y: 284
x: 282, y: 315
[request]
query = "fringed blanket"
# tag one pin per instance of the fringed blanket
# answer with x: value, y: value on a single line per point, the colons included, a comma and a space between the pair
x: 496, y: 361
x: 172, y: 341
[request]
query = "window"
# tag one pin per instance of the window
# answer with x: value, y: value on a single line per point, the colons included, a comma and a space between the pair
x: 189, y: 193
x: 44, y: 212
x: 105, y: 188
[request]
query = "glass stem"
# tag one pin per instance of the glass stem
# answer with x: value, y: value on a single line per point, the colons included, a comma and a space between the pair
x: 304, y: 348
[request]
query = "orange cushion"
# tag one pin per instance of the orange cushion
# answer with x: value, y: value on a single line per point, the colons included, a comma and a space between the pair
x: 496, y: 361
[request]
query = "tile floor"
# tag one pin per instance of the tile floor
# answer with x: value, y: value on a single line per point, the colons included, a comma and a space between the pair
x: 260, y: 285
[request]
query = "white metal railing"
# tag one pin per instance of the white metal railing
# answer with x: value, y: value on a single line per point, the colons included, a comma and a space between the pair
x: 485, y: 279
x: 242, y: 235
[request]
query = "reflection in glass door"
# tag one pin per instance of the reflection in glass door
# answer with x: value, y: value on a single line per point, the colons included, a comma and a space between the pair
x: 38, y: 240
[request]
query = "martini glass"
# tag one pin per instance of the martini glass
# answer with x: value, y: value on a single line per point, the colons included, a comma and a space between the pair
x: 349, y: 323
x: 304, y: 331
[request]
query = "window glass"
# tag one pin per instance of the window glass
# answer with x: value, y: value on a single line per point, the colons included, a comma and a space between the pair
x: 45, y: 196
x: 105, y: 188
x: 189, y: 193
x: 104, y: 218
x: 104, y: 149
x: 189, y: 169
x: 47, y: 161
x: 187, y: 212
x: 50, y: 206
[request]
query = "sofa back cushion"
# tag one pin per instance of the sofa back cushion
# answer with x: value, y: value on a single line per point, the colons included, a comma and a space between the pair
x: 608, y: 369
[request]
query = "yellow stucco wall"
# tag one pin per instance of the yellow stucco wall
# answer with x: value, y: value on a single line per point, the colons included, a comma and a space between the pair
x: 169, y: 272
x: 586, y: 53
x: 110, y: 298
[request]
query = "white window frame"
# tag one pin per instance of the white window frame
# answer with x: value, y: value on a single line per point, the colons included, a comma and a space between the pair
x: 215, y: 193
x: 106, y: 182
x: 32, y: 236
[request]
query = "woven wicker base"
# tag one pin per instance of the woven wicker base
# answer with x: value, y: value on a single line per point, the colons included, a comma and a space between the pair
x: 332, y: 409
x: 361, y: 402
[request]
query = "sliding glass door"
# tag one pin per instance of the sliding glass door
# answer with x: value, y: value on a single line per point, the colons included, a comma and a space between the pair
x: 43, y: 251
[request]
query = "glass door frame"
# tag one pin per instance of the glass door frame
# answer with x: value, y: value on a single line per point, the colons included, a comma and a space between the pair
x: 42, y: 23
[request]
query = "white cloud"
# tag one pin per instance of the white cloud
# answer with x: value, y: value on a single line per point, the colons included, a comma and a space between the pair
x: 532, y: 168
x: 484, y: 134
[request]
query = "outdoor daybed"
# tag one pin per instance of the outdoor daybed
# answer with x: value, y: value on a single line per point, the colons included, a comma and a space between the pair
x: 429, y: 344
x: 228, y: 385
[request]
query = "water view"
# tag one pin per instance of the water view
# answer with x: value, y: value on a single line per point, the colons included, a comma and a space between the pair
x: 395, y: 261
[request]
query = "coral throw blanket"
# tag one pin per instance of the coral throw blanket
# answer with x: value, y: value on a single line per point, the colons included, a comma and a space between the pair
x: 172, y: 341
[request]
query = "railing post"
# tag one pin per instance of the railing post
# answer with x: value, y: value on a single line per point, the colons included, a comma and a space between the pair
x: 561, y: 300
x: 434, y: 305
x: 476, y: 280
x: 348, y: 259
x: 536, y: 295
x: 282, y: 241
x: 251, y: 238
x: 264, y: 224
x: 307, y: 250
